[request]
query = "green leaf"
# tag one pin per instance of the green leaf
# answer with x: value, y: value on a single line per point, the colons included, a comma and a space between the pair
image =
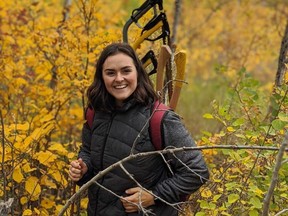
x: 207, y: 205
x: 238, y: 122
x: 283, y: 117
x: 233, y: 198
x: 253, y: 213
x: 222, y: 111
x: 255, y: 202
x: 278, y: 124
x: 231, y: 185
x: 200, y: 214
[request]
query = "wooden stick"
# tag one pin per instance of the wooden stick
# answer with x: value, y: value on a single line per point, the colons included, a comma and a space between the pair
x: 180, y: 61
x: 164, y: 56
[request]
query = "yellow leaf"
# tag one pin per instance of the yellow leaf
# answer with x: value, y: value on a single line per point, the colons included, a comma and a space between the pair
x: 60, y: 165
x: 32, y: 187
x: 206, y: 193
x: 45, y: 157
x: 36, y: 134
x: 17, y: 175
x: 31, y: 60
x: 27, y: 212
x: 27, y: 142
x: 47, y: 204
x: 45, y: 181
x: 208, y: 116
x: 23, y: 127
x: 71, y: 155
x: 57, y: 147
x: 36, y: 211
x: 84, y: 203
x: 26, y: 167
x: 20, y: 82
x: 23, y: 200
x: 47, y: 118
x: 48, y: 128
x: 56, y: 175
x: 230, y: 129
x: 58, y: 208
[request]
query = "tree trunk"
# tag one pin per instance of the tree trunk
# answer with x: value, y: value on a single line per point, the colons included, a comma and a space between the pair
x: 177, y: 16
x: 283, y: 59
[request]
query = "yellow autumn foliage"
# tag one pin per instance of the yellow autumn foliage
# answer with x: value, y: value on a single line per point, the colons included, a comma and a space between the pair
x: 32, y: 187
x: 17, y: 175
x: 45, y: 157
x: 47, y: 62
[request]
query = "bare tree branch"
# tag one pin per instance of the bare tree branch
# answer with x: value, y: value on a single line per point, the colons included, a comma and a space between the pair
x: 165, y: 151
x: 273, y: 183
x: 283, y: 211
x: 3, y: 154
x: 5, y: 206
x: 201, y: 177
x: 139, y: 185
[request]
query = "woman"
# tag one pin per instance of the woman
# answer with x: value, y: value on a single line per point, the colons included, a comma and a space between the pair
x: 122, y: 96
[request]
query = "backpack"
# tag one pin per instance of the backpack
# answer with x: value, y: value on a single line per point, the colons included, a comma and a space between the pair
x: 158, y: 112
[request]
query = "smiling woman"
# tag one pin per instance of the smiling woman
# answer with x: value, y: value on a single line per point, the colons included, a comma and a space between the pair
x: 120, y: 77
x: 122, y: 97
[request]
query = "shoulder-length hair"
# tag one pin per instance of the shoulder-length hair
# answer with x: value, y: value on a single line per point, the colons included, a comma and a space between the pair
x: 98, y: 96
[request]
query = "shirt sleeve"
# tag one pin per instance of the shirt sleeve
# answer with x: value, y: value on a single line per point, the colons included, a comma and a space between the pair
x: 189, y: 169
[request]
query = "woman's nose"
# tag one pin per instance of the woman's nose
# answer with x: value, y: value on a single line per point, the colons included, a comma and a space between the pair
x: 119, y: 77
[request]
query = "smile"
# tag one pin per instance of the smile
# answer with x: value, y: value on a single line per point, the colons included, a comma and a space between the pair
x: 120, y: 86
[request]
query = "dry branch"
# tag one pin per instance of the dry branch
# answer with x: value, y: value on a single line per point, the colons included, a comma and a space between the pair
x: 281, y: 212
x: 5, y: 206
x: 165, y: 151
x: 273, y: 183
x: 3, y: 154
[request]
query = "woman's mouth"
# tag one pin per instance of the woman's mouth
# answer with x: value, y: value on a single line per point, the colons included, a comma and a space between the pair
x: 120, y: 86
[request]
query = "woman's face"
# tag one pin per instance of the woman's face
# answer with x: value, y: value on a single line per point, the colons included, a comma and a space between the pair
x: 120, y: 76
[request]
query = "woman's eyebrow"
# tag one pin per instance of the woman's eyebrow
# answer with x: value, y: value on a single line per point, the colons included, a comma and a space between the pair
x: 127, y: 67
x: 109, y: 69
x: 122, y: 68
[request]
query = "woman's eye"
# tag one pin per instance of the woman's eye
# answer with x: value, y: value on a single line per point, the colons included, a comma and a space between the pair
x: 110, y: 73
x: 127, y: 70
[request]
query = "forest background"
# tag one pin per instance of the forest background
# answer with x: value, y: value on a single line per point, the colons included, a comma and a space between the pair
x: 48, y: 54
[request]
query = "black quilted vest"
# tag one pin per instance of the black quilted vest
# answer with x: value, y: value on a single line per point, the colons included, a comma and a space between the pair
x: 113, y: 136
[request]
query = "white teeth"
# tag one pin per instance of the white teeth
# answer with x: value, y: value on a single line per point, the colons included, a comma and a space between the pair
x: 120, y: 86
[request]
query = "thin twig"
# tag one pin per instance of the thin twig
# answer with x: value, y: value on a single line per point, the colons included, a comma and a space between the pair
x: 201, y: 177
x: 139, y: 185
x: 3, y: 156
x: 283, y: 211
x: 266, y: 202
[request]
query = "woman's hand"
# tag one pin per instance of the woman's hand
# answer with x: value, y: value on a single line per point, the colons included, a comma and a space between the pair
x: 137, y: 197
x: 77, y: 169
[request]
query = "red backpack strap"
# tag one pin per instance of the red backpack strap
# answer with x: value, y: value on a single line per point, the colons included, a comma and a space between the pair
x: 89, y: 116
x: 159, y: 109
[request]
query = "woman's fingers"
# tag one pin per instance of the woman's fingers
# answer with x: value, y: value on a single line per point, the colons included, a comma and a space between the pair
x: 137, y: 198
x: 75, y: 170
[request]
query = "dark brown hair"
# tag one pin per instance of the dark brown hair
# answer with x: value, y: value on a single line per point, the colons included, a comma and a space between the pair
x: 98, y: 96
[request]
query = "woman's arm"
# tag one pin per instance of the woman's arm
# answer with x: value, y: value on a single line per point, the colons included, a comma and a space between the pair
x: 186, y: 178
